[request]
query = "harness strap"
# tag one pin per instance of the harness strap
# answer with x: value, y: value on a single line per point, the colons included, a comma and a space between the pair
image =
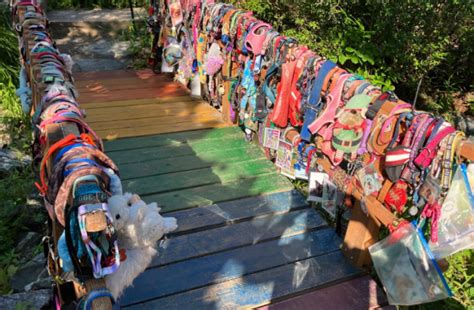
x: 93, y: 251
x: 313, y: 107
x: 448, y: 157
x: 334, y: 102
x: 42, y: 186
x: 295, y: 96
x: 424, y: 121
x: 281, y: 108
x: 64, y: 192
x: 93, y: 295
x: 424, y: 158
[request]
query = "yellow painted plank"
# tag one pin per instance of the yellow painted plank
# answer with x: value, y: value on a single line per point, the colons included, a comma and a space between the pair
x: 168, y: 120
x: 159, y: 129
x: 142, y: 111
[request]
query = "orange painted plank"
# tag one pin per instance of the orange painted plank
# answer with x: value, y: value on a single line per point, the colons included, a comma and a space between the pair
x: 169, y: 90
x: 112, y: 74
x: 122, y: 83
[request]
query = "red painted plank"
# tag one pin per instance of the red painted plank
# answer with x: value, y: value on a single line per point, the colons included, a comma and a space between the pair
x: 360, y: 293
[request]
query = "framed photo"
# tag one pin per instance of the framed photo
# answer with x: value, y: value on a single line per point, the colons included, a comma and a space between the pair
x: 286, y: 159
x: 316, y: 186
x: 325, y: 192
x: 271, y: 138
x: 369, y: 179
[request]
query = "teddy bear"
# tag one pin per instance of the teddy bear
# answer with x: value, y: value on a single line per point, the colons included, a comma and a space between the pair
x: 139, y: 226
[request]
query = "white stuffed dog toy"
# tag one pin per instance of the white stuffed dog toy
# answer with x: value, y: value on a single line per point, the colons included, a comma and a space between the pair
x: 139, y: 226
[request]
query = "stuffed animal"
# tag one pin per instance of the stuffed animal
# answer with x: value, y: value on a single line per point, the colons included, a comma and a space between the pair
x: 139, y: 226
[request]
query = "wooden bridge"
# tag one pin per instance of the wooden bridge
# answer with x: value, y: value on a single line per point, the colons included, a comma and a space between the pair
x: 246, y: 239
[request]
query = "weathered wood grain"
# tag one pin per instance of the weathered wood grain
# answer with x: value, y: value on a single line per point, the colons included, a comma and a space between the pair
x: 254, y: 231
x: 229, y: 265
x: 359, y: 294
x: 261, y: 288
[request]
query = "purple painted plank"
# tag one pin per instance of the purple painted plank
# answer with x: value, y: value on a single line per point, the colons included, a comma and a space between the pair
x: 361, y: 293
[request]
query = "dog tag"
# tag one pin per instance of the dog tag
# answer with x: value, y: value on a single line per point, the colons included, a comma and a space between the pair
x: 413, y: 211
x: 221, y: 90
x: 96, y: 221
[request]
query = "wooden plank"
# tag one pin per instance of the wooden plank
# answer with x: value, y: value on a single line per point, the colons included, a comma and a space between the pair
x: 108, y: 85
x: 260, y: 288
x: 196, y: 148
x: 256, y: 230
x: 359, y: 294
x: 178, y: 109
x: 185, y: 163
x: 137, y: 101
x: 229, y: 265
x: 234, y: 211
x: 227, y: 133
x: 170, y: 90
x: 216, y: 174
x: 210, y: 194
x: 159, y: 129
x: 112, y: 74
x: 362, y: 232
x: 207, y: 114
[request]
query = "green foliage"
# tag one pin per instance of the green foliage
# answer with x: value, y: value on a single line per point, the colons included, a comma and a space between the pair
x: 15, y: 187
x: 461, y: 278
x: 140, y: 43
x: 75, y: 4
x: 9, y: 57
x: 395, y: 44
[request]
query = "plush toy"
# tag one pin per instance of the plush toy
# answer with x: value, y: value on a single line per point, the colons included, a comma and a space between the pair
x: 139, y: 226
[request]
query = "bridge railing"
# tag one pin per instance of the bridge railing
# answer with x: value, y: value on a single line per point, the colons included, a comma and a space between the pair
x: 324, y: 117
x: 74, y: 171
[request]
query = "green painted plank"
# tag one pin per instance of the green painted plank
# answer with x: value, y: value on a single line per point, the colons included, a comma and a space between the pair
x: 188, y: 162
x: 210, y: 194
x: 217, y: 174
x: 261, y: 288
x: 183, y: 149
x: 230, y: 212
x: 173, y: 138
x: 229, y: 265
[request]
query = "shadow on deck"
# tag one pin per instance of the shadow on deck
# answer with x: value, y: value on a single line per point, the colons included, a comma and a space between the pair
x: 245, y: 238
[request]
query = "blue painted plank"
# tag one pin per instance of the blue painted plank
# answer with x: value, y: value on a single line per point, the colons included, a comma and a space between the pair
x: 241, y: 234
x: 225, y: 266
x: 260, y: 288
x: 237, y: 210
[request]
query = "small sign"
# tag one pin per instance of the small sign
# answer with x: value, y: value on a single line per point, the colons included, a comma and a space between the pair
x: 286, y: 159
x: 271, y: 138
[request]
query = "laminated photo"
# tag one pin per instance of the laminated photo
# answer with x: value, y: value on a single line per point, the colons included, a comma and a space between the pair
x: 286, y: 159
x: 271, y: 138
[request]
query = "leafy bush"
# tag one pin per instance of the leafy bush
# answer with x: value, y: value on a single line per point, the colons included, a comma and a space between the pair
x: 70, y: 4
x: 393, y: 43
x: 15, y: 187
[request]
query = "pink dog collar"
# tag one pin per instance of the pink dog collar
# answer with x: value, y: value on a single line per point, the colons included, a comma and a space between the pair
x: 255, y: 40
